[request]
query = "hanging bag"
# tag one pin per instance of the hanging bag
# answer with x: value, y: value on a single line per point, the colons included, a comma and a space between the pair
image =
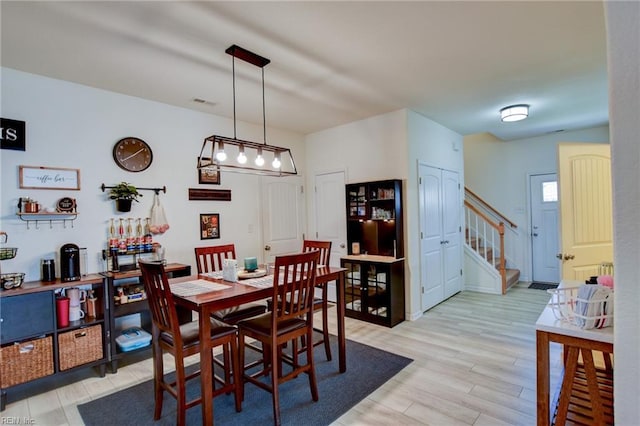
x: 159, y: 222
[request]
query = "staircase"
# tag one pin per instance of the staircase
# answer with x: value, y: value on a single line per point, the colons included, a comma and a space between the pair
x: 487, y: 245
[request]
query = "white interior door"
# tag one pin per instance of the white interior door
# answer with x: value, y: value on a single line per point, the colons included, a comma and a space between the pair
x: 452, y: 233
x: 544, y: 228
x: 331, y: 218
x: 330, y: 213
x: 283, y: 215
x: 586, y: 208
x: 431, y: 251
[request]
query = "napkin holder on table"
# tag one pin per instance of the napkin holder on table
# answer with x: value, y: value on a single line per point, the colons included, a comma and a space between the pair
x: 230, y: 270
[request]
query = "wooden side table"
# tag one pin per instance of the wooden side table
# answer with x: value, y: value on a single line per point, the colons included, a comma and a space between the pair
x: 586, y: 391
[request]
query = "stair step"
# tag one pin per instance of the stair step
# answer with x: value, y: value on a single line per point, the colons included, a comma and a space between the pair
x: 513, y: 276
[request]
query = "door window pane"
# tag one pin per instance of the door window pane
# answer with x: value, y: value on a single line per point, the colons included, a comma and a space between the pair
x: 549, y: 192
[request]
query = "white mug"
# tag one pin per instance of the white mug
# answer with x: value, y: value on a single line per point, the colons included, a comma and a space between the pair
x: 75, y: 313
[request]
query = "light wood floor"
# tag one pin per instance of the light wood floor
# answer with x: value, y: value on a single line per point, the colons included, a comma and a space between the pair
x: 474, y: 364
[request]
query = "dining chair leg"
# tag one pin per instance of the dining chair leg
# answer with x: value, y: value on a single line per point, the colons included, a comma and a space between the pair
x: 240, y: 373
x: 312, y: 371
x: 181, y: 392
x: 276, y: 372
x: 158, y: 374
x: 227, y: 362
x: 236, y: 375
x: 325, y: 323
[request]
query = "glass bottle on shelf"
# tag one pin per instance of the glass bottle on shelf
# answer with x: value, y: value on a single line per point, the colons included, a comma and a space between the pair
x: 131, y: 239
x: 122, y: 241
x: 113, y: 239
x: 139, y: 236
x: 148, y: 238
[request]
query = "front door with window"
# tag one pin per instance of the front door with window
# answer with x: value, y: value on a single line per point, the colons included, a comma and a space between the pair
x: 544, y: 228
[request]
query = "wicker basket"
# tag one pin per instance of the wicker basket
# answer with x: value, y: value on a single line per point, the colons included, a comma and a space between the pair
x: 25, y: 361
x: 587, y: 306
x: 80, y: 346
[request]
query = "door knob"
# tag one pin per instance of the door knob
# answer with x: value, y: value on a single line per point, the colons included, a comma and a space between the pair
x: 342, y: 245
x: 569, y: 257
x: 267, y: 247
x: 535, y: 235
x: 559, y: 256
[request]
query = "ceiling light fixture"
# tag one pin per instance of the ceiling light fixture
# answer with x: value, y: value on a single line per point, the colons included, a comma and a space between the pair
x: 224, y: 148
x: 514, y: 113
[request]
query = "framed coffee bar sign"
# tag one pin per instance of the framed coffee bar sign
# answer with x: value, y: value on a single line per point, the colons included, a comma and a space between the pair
x: 34, y: 177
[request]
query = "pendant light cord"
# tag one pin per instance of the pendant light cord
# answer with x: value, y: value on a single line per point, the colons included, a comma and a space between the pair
x: 233, y: 68
x: 264, y: 115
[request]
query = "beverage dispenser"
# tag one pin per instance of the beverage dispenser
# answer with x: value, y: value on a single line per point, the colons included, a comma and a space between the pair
x: 69, y: 262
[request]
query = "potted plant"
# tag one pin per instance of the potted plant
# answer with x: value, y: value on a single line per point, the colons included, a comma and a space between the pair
x: 124, y: 193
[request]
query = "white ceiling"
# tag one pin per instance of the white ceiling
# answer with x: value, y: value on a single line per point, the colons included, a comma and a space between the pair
x: 457, y: 63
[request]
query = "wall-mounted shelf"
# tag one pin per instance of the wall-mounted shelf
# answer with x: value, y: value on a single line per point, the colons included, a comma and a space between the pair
x: 156, y: 190
x: 48, y: 217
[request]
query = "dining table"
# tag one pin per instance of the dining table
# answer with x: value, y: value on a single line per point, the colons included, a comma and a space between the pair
x: 206, y: 293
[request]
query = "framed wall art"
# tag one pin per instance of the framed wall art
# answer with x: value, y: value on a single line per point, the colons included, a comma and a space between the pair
x: 209, y: 175
x: 209, y: 226
x: 34, y: 177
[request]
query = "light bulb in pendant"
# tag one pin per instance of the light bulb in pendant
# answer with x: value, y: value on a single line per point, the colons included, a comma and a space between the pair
x: 242, y: 158
x: 221, y: 155
x: 276, y: 162
x: 259, y: 158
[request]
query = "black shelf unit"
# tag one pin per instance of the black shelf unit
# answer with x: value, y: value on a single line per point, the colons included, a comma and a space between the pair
x: 374, y: 218
x: 29, y: 314
x: 374, y: 289
x: 115, y: 280
x: 374, y: 285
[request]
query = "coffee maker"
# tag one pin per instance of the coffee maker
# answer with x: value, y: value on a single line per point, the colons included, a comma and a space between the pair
x: 69, y: 262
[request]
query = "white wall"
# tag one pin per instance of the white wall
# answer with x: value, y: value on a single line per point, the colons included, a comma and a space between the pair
x: 388, y: 146
x: 498, y: 171
x: 623, y: 47
x: 74, y: 126
x: 369, y: 149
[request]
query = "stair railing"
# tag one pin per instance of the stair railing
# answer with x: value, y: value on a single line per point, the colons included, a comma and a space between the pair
x: 486, y: 237
x: 477, y: 200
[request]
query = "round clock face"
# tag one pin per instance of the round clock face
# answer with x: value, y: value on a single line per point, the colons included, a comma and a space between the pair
x: 132, y: 154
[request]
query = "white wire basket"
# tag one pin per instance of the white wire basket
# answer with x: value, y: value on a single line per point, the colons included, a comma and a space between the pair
x: 587, y: 306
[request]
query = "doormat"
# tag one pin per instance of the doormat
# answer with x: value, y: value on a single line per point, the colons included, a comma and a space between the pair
x: 543, y: 286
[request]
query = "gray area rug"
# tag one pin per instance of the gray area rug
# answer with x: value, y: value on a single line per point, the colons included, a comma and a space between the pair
x: 367, y: 369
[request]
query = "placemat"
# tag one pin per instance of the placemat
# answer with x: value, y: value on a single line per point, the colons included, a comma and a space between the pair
x: 193, y: 288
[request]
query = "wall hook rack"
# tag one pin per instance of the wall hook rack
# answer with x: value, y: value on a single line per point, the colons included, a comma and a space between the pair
x: 156, y: 190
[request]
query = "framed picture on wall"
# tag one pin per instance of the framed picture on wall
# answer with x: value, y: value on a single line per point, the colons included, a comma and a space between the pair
x: 209, y: 175
x: 209, y: 226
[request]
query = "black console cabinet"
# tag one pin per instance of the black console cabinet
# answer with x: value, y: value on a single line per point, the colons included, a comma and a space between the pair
x: 28, y: 326
x: 32, y: 340
x: 374, y: 289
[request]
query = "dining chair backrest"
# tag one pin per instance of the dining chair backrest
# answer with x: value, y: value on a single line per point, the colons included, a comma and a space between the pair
x: 323, y: 246
x: 294, y: 280
x: 210, y: 259
x: 160, y: 299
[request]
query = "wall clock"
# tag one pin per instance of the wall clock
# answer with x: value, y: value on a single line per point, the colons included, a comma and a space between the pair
x: 132, y: 154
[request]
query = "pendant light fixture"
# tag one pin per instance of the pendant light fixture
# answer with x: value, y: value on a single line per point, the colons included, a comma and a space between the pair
x: 241, y: 156
x: 514, y: 113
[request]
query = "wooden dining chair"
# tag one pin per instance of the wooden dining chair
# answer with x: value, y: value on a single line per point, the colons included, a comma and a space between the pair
x: 182, y: 341
x: 211, y: 259
x: 292, y: 317
x: 322, y: 302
